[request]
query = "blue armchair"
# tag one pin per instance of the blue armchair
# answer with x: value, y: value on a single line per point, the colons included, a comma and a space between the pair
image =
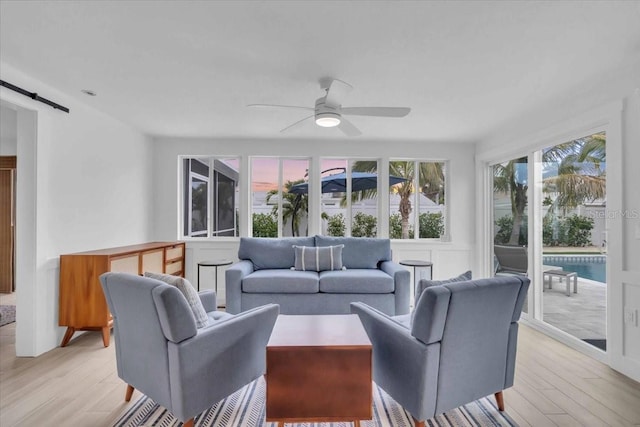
x: 460, y: 345
x: 160, y: 352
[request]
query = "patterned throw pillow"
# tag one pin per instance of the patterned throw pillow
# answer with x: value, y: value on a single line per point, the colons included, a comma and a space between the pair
x: 318, y: 258
x: 189, y: 293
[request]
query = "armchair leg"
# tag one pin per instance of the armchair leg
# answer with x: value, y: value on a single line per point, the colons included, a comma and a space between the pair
x: 188, y: 423
x: 418, y: 423
x: 500, y: 400
x: 129, y: 393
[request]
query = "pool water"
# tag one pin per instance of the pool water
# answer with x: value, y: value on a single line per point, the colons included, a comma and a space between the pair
x: 588, y: 267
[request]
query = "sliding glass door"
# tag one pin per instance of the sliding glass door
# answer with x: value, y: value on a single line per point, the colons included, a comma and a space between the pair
x: 574, y: 239
x: 549, y: 223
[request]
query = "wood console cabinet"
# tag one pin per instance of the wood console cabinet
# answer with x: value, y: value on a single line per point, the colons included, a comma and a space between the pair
x: 83, y: 306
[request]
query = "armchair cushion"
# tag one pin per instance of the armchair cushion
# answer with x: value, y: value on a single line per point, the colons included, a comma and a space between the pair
x: 189, y: 292
x: 316, y: 258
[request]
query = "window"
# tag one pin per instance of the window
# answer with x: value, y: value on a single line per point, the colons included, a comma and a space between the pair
x: 349, y: 197
x: 279, y: 202
x: 279, y: 197
x: 200, y: 197
x: 429, y: 201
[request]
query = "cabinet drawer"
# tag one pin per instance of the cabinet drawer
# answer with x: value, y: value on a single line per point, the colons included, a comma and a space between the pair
x: 152, y: 261
x: 173, y: 267
x: 125, y: 264
x: 175, y: 252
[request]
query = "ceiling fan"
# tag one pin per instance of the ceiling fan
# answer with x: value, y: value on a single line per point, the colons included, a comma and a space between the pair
x: 328, y: 111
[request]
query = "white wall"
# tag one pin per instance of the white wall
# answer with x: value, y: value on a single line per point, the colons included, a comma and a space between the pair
x: 8, y: 131
x: 596, y: 104
x: 450, y: 258
x: 84, y: 182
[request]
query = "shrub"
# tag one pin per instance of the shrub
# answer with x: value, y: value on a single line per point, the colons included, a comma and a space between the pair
x: 505, y: 226
x: 264, y: 225
x: 578, y: 230
x: 574, y: 230
x: 364, y: 225
x: 395, y: 227
x: 335, y: 226
x: 431, y: 225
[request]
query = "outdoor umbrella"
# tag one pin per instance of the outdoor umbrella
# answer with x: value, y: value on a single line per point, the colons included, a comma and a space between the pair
x: 337, y: 183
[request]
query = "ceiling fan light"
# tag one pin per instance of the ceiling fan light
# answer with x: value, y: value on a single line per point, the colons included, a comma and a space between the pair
x: 327, y: 120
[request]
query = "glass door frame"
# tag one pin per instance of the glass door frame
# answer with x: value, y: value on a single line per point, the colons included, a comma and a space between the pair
x: 605, y: 119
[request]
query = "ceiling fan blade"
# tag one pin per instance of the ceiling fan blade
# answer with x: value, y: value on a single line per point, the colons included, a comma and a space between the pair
x: 296, y: 124
x: 338, y: 90
x: 348, y: 128
x: 280, y: 106
x: 377, y: 111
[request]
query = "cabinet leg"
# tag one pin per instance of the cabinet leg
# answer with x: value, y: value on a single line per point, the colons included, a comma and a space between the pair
x: 67, y: 336
x: 129, y: 393
x: 106, y: 335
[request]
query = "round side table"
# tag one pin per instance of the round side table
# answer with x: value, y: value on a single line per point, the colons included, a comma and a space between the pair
x: 216, y: 263
x: 416, y: 263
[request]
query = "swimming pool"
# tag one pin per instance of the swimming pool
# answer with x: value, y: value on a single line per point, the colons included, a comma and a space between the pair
x: 593, y: 267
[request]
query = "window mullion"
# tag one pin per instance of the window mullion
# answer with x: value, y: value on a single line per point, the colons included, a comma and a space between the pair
x: 280, y: 196
x: 349, y: 215
x: 416, y: 199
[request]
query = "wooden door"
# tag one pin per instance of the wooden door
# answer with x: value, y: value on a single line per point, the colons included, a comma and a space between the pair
x: 7, y: 223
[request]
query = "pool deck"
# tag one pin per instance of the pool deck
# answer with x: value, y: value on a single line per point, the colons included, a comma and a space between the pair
x: 583, y: 315
x: 570, y: 250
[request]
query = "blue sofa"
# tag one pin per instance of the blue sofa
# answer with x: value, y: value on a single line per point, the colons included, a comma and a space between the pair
x: 265, y: 274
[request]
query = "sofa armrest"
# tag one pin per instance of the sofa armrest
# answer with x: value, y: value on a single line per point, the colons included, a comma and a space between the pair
x: 233, y: 284
x: 402, y: 285
x: 208, y: 300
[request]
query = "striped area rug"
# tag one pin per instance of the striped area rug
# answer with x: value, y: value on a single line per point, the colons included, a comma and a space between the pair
x: 246, y: 408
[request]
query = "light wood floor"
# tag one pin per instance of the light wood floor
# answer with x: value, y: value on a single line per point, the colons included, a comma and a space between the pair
x: 78, y: 386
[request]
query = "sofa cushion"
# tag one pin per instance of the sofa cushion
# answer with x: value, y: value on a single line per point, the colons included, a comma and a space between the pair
x: 314, y: 258
x: 359, y: 252
x: 281, y: 281
x: 356, y: 281
x: 271, y: 253
x: 189, y: 292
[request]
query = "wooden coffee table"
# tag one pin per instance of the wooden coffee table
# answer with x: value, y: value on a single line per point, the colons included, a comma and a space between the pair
x: 319, y: 370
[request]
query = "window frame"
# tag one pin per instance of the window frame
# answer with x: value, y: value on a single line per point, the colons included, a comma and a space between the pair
x: 446, y: 235
x: 245, y: 202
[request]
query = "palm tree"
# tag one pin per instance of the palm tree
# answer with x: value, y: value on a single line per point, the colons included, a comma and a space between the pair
x: 293, y: 205
x: 579, y: 177
x: 512, y: 178
x: 431, y: 176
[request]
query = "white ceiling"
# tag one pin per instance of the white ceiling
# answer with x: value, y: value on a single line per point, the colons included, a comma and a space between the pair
x: 190, y: 68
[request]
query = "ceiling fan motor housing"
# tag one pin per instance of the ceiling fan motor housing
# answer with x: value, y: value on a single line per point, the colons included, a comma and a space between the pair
x: 326, y: 115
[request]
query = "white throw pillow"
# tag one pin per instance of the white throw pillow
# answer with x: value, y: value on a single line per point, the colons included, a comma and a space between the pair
x: 189, y: 293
